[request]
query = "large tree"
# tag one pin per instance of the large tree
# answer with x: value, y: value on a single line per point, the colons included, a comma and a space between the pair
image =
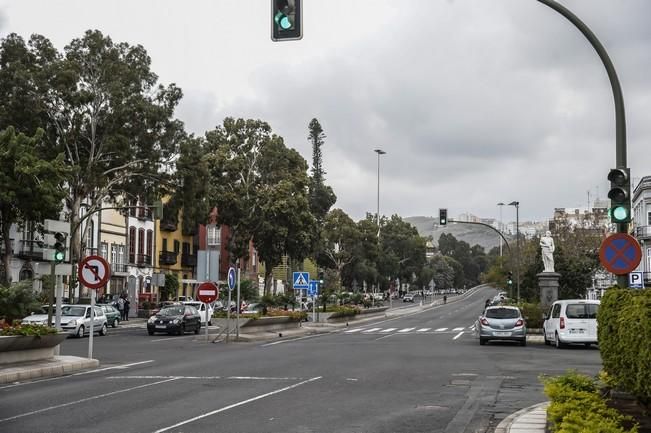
x: 321, y: 195
x: 31, y: 188
x: 339, y: 238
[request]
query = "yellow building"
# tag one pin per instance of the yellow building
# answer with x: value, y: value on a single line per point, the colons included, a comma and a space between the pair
x: 113, y: 247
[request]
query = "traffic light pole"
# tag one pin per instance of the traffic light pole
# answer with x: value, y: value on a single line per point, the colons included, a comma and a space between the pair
x: 620, y: 117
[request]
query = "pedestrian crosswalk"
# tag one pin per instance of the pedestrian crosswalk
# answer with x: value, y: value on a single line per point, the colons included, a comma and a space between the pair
x: 411, y: 330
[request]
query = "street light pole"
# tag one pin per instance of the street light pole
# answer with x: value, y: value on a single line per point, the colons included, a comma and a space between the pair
x: 517, y: 247
x: 500, y: 204
x: 379, y: 152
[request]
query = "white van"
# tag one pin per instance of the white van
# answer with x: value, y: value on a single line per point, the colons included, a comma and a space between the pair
x: 571, y: 321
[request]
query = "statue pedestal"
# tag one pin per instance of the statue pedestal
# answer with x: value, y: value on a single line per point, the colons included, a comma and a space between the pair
x: 548, y: 284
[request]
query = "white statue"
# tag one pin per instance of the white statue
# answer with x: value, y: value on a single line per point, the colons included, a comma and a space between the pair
x: 547, y: 247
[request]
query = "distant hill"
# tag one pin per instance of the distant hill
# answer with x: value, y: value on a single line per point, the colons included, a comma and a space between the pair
x: 472, y: 234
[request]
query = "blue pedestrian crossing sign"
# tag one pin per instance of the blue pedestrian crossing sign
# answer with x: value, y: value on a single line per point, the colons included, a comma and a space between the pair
x: 313, y: 290
x: 301, y: 280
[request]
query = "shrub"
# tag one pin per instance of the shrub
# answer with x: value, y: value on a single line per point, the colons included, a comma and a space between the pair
x: 344, y: 311
x: 27, y: 330
x: 297, y: 316
x: 17, y: 301
x: 532, y: 314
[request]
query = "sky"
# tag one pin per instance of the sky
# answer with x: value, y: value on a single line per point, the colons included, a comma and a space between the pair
x: 475, y: 102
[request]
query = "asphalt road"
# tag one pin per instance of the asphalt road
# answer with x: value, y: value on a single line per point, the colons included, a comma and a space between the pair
x: 420, y: 372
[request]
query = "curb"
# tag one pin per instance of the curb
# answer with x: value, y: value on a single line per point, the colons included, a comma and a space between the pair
x: 56, y: 366
x: 509, y: 421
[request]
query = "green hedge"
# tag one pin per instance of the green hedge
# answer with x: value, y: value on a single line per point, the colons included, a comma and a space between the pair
x: 344, y: 311
x: 576, y: 407
x: 624, y: 322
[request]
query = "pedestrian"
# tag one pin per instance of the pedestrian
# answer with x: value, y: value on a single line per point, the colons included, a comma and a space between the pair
x: 121, y: 307
x: 126, y: 308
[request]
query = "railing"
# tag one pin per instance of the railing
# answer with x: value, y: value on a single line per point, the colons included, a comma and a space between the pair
x: 643, y: 232
x: 31, y: 250
x: 188, y: 260
x: 167, y: 257
x: 168, y: 226
x: 119, y: 268
x: 143, y: 260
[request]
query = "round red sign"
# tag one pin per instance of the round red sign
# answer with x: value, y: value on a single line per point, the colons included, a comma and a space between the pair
x: 620, y: 253
x: 207, y: 292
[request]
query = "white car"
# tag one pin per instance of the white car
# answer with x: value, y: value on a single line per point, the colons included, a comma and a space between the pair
x: 571, y: 321
x: 38, y: 317
x: 201, y: 308
x: 75, y: 319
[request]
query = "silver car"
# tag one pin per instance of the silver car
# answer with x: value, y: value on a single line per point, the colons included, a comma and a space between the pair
x: 75, y: 319
x: 502, y: 322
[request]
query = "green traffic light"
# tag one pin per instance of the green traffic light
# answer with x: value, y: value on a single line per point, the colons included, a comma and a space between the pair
x: 59, y: 256
x: 283, y: 21
x: 619, y: 214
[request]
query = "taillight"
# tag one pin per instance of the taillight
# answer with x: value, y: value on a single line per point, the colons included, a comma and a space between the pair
x: 484, y: 321
x: 520, y: 322
x: 562, y: 322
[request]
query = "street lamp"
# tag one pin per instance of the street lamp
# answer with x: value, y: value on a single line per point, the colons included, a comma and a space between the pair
x: 500, y: 204
x: 379, y: 152
x: 517, y: 246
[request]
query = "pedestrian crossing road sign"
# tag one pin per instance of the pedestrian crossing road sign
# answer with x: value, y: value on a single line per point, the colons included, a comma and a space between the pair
x: 301, y: 280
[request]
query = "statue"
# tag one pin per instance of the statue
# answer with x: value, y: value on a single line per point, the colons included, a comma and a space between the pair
x: 547, y: 249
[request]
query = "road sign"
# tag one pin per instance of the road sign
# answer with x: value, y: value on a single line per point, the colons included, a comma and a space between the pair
x: 301, y: 280
x: 231, y: 278
x: 313, y: 288
x: 635, y: 280
x: 207, y: 292
x: 94, y: 272
x: 620, y: 253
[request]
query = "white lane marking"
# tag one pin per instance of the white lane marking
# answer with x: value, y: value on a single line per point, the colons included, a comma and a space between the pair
x: 293, y: 339
x: 170, y: 338
x: 372, y: 330
x: 350, y: 331
x: 351, y: 379
x: 440, y: 330
x: 423, y: 329
x: 207, y: 377
x: 225, y: 408
x: 115, y: 367
x: 95, y: 397
x: 458, y: 335
x: 384, y: 331
x: 406, y: 329
x: 458, y: 329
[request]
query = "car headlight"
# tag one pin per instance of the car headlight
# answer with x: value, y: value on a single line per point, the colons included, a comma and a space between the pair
x: 176, y: 321
x: 152, y: 319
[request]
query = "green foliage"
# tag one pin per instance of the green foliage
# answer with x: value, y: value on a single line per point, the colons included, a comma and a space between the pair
x: 171, y: 287
x: 17, y: 301
x: 624, y: 322
x: 532, y: 313
x: 577, y: 407
x: 344, y: 311
x: 27, y: 330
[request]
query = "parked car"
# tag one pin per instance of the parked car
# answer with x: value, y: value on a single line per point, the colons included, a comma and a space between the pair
x: 409, y: 297
x: 39, y: 316
x: 502, y: 323
x: 112, y: 314
x: 201, y: 307
x: 175, y: 319
x: 253, y: 308
x: 75, y: 319
x: 185, y: 299
x: 571, y: 321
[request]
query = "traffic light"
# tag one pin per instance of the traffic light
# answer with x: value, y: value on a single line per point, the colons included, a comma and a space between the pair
x: 321, y: 277
x: 620, y: 195
x: 509, y: 278
x: 443, y: 217
x: 59, y: 247
x: 286, y: 20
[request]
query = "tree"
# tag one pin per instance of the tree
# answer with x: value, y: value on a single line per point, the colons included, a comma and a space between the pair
x: 17, y: 301
x: 170, y: 288
x: 403, y: 249
x: 31, y: 188
x: 322, y: 198
x: 339, y: 236
x: 191, y: 189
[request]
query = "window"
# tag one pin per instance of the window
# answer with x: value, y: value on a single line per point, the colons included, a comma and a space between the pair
x: 141, y: 241
x: 648, y: 219
x: 120, y: 254
x: 502, y: 313
x: 150, y: 242
x: 164, y: 244
x: 132, y: 244
x: 177, y: 246
x: 114, y: 253
x: 186, y: 248
x: 556, y: 311
x: 581, y: 311
x: 213, y: 235
x: 104, y: 250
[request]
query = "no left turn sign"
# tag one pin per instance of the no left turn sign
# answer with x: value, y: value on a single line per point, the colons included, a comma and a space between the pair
x: 94, y: 272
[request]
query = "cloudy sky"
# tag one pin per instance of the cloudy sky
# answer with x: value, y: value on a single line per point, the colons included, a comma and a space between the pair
x: 475, y: 101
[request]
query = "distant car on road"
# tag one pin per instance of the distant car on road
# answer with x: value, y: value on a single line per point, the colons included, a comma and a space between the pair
x: 175, y: 319
x: 409, y: 297
x: 571, y: 321
x: 502, y: 323
x: 112, y: 314
x: 75, y: 319
x: 38, y: 316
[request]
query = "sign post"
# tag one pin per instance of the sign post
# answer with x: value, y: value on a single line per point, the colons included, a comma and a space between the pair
x: 93, y: 272
x: 313, y: 290
x: 231, y: 285
x: 207, y: 292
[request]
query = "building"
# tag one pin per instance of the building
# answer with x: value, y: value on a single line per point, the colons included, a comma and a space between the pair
x: 641, y: 213
x: 140, y: 257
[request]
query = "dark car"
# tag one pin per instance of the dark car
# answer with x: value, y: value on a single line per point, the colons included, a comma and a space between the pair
x: 175, y: 319
x: 112, y: 314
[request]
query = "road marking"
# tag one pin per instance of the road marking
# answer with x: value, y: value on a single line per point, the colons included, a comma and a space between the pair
x: 115, y: 367
x: 423, y: 329
x: 372, y: 329
x: 350, y: 331
x: 225, y: 408
x: 441, y: 330
x: 384, y: 331
x: 458, y: 329
x: 458, y: 335
x: 207, y: 377
x: 95, y: 397
x: 406, y: 329
x: 294, y: 339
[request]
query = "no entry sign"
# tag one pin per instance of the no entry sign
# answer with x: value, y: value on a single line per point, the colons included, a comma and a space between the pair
x: 620, y: 253
x: 207, y: 292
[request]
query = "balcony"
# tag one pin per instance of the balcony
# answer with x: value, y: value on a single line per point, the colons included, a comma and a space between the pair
x: 167, y: 257
x: 118, y: 268
x: 30, y: 250
x: 188, y: 260
x: 643, y: 232
x: 143, y: 260
x: 168, y: 226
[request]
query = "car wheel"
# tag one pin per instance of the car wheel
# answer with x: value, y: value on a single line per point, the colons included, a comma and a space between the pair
x: 482, y: 341
x: 104, y: 330
x: 115, y: 323
x: 150, y: 332
x: 547, y: 342
x: 182, y: 329
x: 80, y: 332
x: 557, y: 342
x: 523, y: 342
x: 196, y: 330
x: 210, y: 323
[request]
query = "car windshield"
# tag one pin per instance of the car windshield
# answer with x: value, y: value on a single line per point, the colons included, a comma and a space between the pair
x: 502, y: 313
x: 172, y: 311
x: 582, y: 311
x: 73, y: 311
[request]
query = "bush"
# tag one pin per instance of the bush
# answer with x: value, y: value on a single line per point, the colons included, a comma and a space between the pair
x: 344, y: 311
x: 576, y: 407
x: 532, y: 314
x: 17, y: 301
x: 27, y: 330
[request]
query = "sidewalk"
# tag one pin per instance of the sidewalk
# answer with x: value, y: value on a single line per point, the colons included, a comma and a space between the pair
x: 528, y: 420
